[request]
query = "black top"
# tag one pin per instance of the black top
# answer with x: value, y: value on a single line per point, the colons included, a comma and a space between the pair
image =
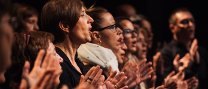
x: 168, y: 54
x: 70, y: 76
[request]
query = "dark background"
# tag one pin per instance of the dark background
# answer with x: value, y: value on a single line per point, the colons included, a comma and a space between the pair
x: 157, y: 11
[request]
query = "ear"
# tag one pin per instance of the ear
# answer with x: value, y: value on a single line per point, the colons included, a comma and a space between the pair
x: 96, y: 37
x: 64, y: 27
x: 172, y: 27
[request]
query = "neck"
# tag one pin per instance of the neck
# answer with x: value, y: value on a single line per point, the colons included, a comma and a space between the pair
x: 185, y: 42
x: 69, y: 48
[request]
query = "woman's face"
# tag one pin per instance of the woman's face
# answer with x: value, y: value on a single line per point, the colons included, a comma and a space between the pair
x: 31, y: 24
x: 120, y: 54
x: 56, y: 56
x: 141, y: 46
x: 130, y: 36
x: 6, y: 39
x: 109, y: 36
x: 81, y: 32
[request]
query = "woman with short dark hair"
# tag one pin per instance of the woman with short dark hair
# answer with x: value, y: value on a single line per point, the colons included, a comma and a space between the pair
x: 70, y: 25
x: 24, y: 18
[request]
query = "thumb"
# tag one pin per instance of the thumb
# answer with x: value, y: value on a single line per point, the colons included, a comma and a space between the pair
x: 26, y: 69
x: 177, y: 58
x: 81, y: 79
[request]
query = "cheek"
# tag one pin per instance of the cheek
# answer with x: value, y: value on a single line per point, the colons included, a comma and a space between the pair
x: 2, y: 78
x: 28, y: 27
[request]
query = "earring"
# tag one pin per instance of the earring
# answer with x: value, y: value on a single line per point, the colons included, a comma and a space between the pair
x: 99, y: 42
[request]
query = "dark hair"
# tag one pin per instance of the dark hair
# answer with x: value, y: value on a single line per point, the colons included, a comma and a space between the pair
x: 56, y: 11
x: 14, y: 73
x: 96, y: 14
x: 119, y: 19
x: 122, y: 10
x: 4, y: 10
x: 172, y: 19
x: 20, y: 13
x: 36, y: 41
x: 4, y: 7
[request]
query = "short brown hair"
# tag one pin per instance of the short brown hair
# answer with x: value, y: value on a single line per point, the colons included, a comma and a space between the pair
x: 96, y: 14
x: 21, y: 12
x: 36, y: 41
x: 172, y: 19
x: 56, y: 11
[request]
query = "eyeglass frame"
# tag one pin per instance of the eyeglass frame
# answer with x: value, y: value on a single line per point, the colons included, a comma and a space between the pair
x: 127, y: 31
x: 113, y: 27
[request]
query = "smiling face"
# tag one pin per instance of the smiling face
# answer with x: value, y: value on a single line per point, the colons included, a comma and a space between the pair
x: 81, y: 32
x: 130, y: 36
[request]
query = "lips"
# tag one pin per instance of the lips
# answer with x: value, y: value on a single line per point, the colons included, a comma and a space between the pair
x: 134, y: 43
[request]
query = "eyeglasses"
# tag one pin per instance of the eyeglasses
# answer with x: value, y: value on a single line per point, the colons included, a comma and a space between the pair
x: 186, y: 21
x: 113, y: 27
x: 126, y: 31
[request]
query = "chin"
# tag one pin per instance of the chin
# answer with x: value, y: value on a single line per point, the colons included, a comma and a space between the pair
x: 133, y: 49
x: 89, y: 39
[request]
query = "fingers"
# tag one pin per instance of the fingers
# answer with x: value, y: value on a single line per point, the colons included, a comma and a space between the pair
x: 145, y: 72
x: 142, y: 62
x: 97, y: 76
x: 153, y: 80
x: 155, y: 59
x: 180, y: 75
x: 125, y: 87
x: 26, y: 69
x: 121, y: 80
x: 39, y: 58
x: 130, y: 80
x: 132, y: 84
x: 109, y: 85
x: 81, y: 78
x: 194, y: 47
x: 112, y: 75
x: 42, y: 80
x: 168, y: 79
x: 48, y: 60
x: 161, y: 87
x: 25, y: 80
x: 88, y: 74
x: 171, y: 74
x: 119, y: 75
x: 93, y: 74
x: 101, y: 80
x: 176, y: 60
x: 64, y: 87
x: 54, y: 80
x: 172, y: 85
x: 193, y: 82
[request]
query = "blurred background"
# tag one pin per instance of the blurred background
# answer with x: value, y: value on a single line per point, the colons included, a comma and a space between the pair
x: 157, y: 11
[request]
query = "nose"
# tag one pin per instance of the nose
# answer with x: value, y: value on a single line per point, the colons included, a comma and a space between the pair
x: 134, y: 34
x: 36, y: 27
x: 124, y: 47
x: 119, y: 31
x: 191, y: 24
x: 90, y: 20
